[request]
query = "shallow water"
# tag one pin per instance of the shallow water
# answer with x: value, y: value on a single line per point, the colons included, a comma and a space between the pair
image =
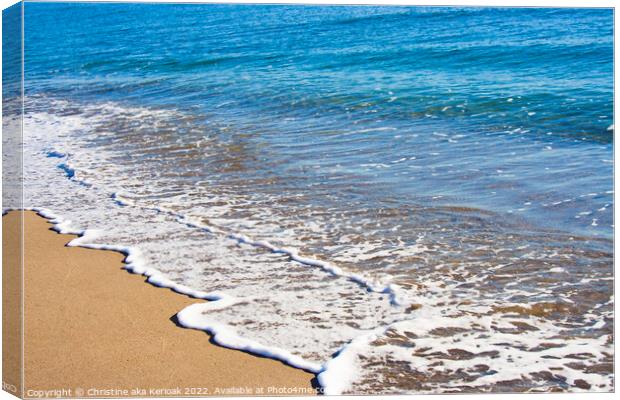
x: 396, y: 205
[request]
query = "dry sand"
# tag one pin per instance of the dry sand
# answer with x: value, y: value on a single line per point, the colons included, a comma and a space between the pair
x: 91, y: 324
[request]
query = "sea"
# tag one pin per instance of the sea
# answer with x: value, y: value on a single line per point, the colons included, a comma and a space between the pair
x: 397, y: 199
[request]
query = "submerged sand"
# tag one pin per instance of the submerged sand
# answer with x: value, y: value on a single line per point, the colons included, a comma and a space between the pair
x: 93, y: 329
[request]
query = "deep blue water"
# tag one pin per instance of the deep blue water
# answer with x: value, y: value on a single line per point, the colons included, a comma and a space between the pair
x: 299, y: 60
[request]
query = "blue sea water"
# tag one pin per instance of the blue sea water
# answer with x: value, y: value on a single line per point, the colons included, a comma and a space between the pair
x: 423, y: 147
x: 507, y: 84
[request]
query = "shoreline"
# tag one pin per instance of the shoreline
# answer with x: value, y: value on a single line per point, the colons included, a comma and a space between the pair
x: 89, y: 325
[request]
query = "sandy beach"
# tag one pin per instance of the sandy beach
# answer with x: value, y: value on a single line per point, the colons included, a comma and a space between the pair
x: 93, y: 329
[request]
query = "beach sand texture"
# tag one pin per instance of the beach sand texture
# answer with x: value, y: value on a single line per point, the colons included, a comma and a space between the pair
x: 91, y: 324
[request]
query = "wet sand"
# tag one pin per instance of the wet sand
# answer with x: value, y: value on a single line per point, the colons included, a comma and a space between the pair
x: 93, y: 329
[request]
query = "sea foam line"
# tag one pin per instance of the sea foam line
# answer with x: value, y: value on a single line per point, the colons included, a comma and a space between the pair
x: 392, y: 290
x: 334, y: 376
x: 193, y: 316
x: 190, y: 316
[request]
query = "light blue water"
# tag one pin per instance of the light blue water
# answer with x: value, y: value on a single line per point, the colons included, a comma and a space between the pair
x: 425, y: 147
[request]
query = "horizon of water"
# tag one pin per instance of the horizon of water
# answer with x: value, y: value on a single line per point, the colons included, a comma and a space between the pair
x: 399, y: 199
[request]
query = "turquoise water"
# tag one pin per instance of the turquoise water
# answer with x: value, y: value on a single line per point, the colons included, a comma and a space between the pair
x: 454, y: 164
